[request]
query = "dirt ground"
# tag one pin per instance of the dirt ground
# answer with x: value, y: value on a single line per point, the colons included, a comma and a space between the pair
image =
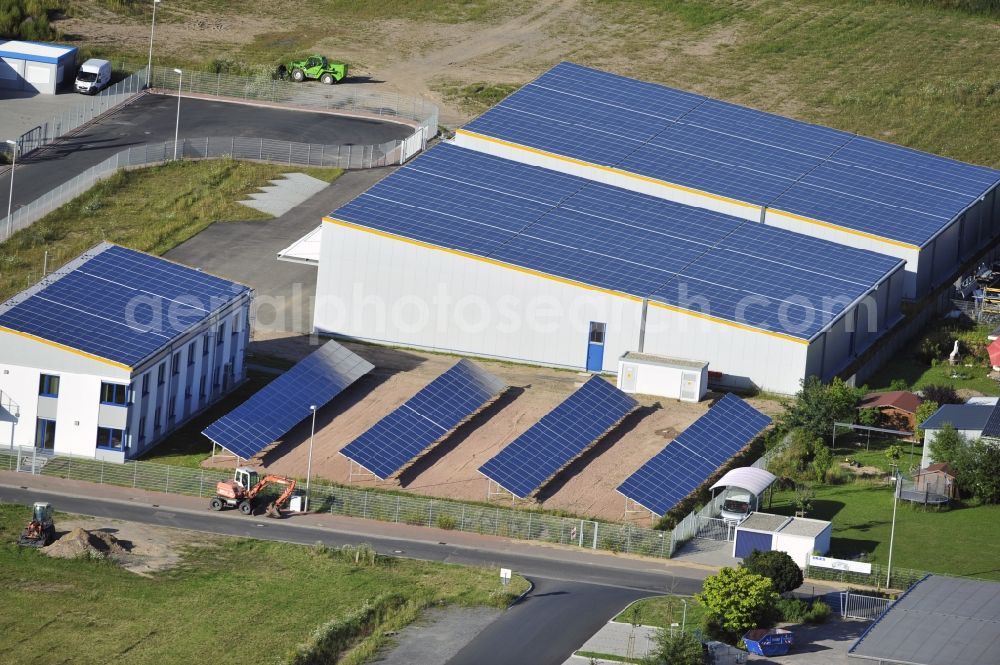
x: 450, y: 470
x: 414, y: 57
x: 144, y: 548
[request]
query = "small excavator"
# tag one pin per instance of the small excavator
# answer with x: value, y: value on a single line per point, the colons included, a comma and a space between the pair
x: 41, y: 530
x: 244, y: 488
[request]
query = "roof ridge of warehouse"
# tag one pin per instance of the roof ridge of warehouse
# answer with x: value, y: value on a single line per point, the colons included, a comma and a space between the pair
x: 70, y: 333
x: 771, y: 185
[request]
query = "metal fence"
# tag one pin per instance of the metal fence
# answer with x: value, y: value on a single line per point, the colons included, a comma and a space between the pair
x: 256, y: 149
x: 366, y: 504
x: 88, y: 109
x: 342, y: 98
x: 901, y: 578
x: 859, y: 606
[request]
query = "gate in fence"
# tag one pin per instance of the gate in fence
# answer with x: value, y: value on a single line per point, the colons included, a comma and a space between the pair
x: 713, y: 528
x: 859, y: 606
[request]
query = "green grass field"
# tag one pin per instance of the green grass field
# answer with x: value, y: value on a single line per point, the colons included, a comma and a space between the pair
x: 236, y: 600
x: 661, y: 611
x: 959, y: 541
x: 152, y: 210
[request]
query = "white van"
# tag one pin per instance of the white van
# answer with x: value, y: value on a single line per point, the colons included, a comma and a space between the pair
x: 737, y: 507
x: 93, y: 76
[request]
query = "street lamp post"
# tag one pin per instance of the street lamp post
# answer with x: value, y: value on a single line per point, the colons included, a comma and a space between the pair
x: 892, y: 531
x: 177, y: 126
x: 684, y: 617
x: 10, y: 196
x: 152, y: 26
x: 309, y: 465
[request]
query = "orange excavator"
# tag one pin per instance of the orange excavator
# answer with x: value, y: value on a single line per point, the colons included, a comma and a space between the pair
x: 244, y: 488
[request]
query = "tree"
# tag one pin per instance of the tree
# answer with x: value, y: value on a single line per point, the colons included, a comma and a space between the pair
x: 817, y: 406
x: 822, y: 461
x: 736, y: 600
x: 941, y: 394
x: 804, y: 495
x: 924, y: 411
x: 679, y: 649
x: 869, y: 417
x: 977, y: 470
x: 893, y: 453
x: 777, y: 566
x: 946, y: 444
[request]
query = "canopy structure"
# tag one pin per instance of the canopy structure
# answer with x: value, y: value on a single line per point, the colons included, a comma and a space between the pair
x: 747, y: 478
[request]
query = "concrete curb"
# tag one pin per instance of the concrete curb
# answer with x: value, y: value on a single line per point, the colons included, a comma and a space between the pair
x: 531, y: 587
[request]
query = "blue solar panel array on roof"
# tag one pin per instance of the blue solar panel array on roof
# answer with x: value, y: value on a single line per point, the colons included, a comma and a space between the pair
x: 737, y: 152
x: 691, y: 459
x: 992, y: 427
x: 280, y: 405
x: 616, y: 239
x: 424, y: 419
x: 560, y: 436
x: 116, y: 303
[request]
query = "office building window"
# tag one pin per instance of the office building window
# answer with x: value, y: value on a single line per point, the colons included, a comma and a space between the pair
x: 45, y: 434
x: 114, y: 393
x: 204, y: 344
x: 156, y: 420
x: 48, y: 385
x: 110, y: 439
x: 175, y: 364
x: 161, y: 373
x: 222, y: 333
x: 191, y: 348
x: 145, y: 383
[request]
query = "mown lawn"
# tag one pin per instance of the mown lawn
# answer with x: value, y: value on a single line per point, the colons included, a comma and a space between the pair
x: 959, y: 541
x: 152, y: 210
x: 235, y: 600
x: 661, y: 611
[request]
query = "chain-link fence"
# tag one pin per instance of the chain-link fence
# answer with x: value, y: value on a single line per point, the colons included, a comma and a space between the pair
x: 366, y: 504
x: 247, y: 148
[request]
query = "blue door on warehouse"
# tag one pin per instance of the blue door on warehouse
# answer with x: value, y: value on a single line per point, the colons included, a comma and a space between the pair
x: 595, y: 346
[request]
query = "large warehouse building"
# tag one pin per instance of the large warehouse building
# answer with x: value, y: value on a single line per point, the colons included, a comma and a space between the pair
x: 589, y: 215
x: 930, y: 211
x: 114, y: 351
x: 471, y: 253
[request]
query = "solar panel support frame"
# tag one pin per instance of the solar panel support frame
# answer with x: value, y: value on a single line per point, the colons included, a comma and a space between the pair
x: 633, y: 507
x: 355, y: 470
x: 495, y: 489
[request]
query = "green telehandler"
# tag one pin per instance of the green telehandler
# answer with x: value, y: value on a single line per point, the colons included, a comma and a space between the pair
x: 315, y: 67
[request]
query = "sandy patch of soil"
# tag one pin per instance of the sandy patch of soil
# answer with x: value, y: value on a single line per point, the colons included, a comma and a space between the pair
x: 450, y: 470
x: 140, y: 548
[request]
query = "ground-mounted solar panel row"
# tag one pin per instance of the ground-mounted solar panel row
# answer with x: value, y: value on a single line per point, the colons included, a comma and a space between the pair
x: 562, y: 435
x: 284, y: 402
x: 616, y: 239
x: 424, y: 419
x: 723, y: 149
x: 695, y: 455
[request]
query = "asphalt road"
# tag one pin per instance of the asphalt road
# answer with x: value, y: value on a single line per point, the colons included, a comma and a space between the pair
x: 151, y: 119
x: 570, y: 601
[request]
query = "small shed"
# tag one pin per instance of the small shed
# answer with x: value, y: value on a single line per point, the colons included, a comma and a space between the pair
x: 676, y: 378
x: 799, y: 537
x: 898, y: 408
x: 936, y: 479
x: 35, y: 66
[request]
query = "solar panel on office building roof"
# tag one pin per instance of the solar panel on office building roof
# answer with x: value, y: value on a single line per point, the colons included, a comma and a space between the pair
x: 741, y: 153
x: 560, y: 436
x: 619, y: 240
x: 691, y: 459
x: 280, y: 405
x: 117, y: 303
x: 424, y: 419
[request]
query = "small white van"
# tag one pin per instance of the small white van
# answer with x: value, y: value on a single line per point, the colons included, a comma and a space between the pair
x: 93, y: 76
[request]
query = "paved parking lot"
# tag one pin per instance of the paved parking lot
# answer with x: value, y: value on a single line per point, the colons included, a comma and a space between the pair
x: 151, y: 119
x: 21, y: 111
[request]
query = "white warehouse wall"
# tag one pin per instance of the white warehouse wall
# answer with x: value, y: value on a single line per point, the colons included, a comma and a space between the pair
x: 379, y: 288
x: 382, y: 289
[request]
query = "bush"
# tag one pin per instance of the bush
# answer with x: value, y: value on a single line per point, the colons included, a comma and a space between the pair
x: 941, y: 394
x: 777, y: 566
x: 446, y: 522
x: 679, y: 649
x: 793, y: 610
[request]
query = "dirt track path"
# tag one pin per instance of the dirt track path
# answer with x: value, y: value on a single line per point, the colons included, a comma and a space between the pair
x: 466, y: 57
